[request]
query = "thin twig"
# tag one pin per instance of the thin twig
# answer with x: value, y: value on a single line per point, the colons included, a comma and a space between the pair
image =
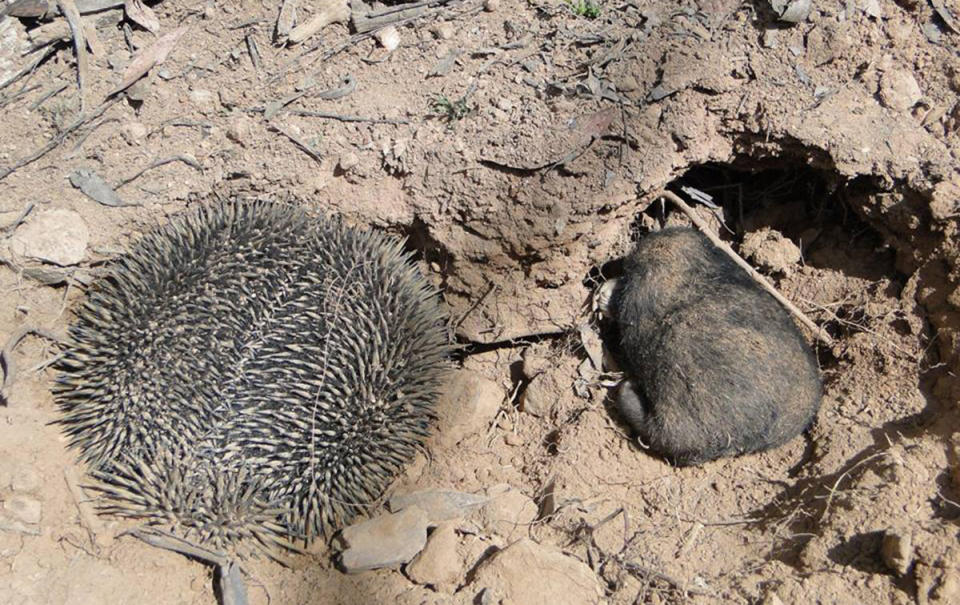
x: 88, y: 517
x: 344, y: 118
x: 19, y: 220
x: 476, y: 304
x: 819, y: 332
x: 233, y: 590
x: 59, y: 137
x: 296, y: 141
x: 49, y: 50
x: 156, y: 164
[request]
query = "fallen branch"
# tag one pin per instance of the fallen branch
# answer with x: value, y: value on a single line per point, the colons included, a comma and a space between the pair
x: 819, y: 332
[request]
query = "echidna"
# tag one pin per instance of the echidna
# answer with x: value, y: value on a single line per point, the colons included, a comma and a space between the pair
x: 250, y: 372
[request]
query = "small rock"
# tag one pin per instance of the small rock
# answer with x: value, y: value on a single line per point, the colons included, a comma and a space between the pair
x: 770, y: 38
x: 203, y: 99
x: 532, y: 574
x: 899, y: 90
x: 14, y: 42
x: 945, y: 200
x: 466, y: 406
x: 118, y: 59
x: 513, y: 439
x: 897, y: 551
x: 139, y: 91
x: 388, y: 540
x: 133, y: 132
x: 537, y: 359
x: 240, y: 129
x: 508, y: 512
x: 437, y: 564
x: 55, y: 236
x: 438, y: 504
x: 348, y: 161
x: 792, y: 11
x: 388, y: 37
x: 24, y: 508
x: 539, y: 396
x: 771, y: 250
x: 444, y: 30
x: 491, y: 5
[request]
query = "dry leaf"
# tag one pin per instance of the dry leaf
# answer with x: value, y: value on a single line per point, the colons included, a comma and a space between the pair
x: 149, y: 58
x: 142, y: 15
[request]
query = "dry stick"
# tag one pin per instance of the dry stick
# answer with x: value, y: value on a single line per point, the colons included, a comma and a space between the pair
x: 69, y: 10
x: 49, y: 50
x: 59, y: 138
x: 88, y: 517
x: 233, y: 590
x: 19, y: 220
x: 797, y: 313
x: 344, y: 118
x: 161, y: 162
x: 296, y: 141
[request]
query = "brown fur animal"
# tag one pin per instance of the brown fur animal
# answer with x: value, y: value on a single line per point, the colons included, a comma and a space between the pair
x: 715, y: 366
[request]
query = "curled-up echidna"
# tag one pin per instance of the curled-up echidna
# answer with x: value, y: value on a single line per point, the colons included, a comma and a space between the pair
x: 248, y: 373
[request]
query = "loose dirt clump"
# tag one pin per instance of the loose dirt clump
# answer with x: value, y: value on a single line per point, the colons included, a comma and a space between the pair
x: 521, y: 146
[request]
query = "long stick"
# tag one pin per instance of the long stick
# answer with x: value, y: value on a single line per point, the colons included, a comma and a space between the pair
x: 819, y: 332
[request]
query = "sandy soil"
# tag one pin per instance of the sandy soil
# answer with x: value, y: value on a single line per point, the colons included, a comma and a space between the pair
x: 838, y: 133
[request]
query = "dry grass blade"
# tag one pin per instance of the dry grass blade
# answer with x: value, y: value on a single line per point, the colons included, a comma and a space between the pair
x: 155, y: 55
x: 142, y: 15
x: 329, y: 11
x: 287, y: 18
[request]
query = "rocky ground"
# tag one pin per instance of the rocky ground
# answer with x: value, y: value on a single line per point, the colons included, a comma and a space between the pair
x: 520, y: 146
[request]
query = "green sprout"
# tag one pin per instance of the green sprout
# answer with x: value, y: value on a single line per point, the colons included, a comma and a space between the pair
x: 585, y: 8
x: 451, y: 110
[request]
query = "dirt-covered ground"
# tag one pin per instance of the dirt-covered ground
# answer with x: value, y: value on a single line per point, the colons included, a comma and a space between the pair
x: 520, y: 146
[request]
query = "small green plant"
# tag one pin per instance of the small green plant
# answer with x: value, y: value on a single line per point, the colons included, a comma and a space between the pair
x: 585, y: 8
x: 451, y: 110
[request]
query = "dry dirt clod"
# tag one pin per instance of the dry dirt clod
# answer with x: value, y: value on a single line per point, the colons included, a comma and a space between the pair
x: 388, y: 540
x: 55, y: 236
x: 897, y: 551
x: 466, y: 407
x: 899, y: 90
x: 771, y: 251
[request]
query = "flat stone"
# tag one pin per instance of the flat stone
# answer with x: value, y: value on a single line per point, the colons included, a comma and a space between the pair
x: 24, y: 508
x: 438, y: 564
x: 438, y: 504
x: 532, y: 574
x: 466, y: 407
x: 388, y: 540
x: 55, y: 236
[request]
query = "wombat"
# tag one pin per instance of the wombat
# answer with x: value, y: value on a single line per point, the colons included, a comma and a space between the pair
x: 715, y: 365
